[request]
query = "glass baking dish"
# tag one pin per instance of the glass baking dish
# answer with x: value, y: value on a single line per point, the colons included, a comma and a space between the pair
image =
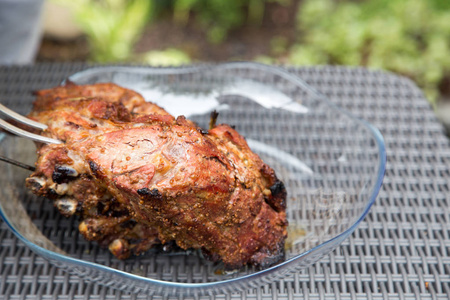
x: 332, y: 164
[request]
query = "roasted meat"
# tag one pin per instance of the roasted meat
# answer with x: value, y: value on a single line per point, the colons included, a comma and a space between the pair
x: 137, y: 177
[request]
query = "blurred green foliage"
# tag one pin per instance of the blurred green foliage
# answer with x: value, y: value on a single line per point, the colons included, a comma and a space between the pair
x: 218, y: 17
x: 168, y: 57
x: 407, y: 37
x: 111, y: 26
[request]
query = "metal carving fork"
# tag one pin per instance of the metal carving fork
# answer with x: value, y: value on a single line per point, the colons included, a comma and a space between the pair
x: 20, y: 132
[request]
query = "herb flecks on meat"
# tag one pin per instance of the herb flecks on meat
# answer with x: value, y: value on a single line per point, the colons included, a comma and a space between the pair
x: 137, y: 177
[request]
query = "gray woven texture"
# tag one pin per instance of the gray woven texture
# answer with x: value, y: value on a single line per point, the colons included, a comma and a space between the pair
x: 400, y: 251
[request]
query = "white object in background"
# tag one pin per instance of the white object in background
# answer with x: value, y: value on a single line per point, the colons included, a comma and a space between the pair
x: 59, y: 22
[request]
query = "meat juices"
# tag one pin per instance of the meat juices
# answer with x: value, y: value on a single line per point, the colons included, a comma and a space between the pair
x: 137, y: 177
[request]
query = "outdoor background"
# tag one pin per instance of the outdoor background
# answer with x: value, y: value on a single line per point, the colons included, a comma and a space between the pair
x: 408, y: 37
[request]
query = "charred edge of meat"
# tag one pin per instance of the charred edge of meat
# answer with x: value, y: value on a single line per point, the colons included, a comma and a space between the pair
x: 118, y: 213
x: 35, y: 183
x: 213, y: 119
x: 129, y: 224
x: 113, y: 209
x: 66, y: 206
x: 51, y: 194
x: 278, y: 189
x: 135, y: 241
x: 120, y: 248
x: 202, y: 131
x: 214, y: 257
x: 64, y: 174
x: 94, y: 168
x: 123, y: 114
x: 73, y: 125
x: 278, y: 195
x: 170, y: 246
x: 147, y: 193
x: 273, y: 258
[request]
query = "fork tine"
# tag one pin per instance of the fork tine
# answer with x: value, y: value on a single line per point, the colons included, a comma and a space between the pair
x: 36, y: 137
x: 20, y: 118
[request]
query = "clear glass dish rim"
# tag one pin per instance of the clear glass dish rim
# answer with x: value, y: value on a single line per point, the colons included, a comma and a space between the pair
x: 217, y: 284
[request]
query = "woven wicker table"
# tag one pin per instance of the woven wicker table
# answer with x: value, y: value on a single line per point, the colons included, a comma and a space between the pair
x: 400, y: 251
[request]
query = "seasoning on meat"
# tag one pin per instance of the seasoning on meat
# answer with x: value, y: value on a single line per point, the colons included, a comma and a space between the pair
x: 137, y: 177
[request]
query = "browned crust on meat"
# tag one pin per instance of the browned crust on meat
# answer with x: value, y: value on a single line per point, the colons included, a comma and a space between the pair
x: 139, y: 179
